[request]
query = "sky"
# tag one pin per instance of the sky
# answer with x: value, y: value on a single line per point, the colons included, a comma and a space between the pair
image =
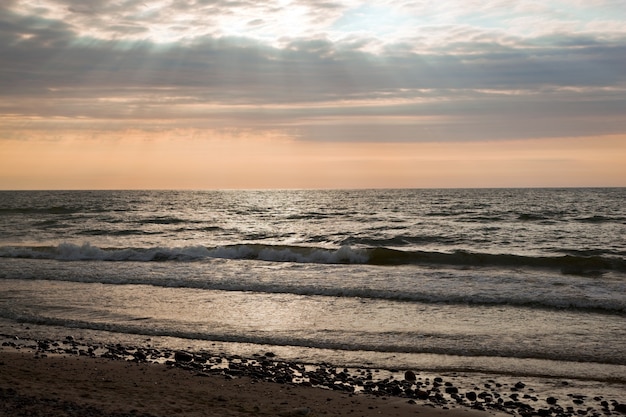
x: 231, y: 94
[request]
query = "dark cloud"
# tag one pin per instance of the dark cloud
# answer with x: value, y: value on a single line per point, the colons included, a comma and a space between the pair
x: 101, y: 7
x: 306, y: 70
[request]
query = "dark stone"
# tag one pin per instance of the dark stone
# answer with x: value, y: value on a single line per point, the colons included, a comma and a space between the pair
x: 410, y: 376
x: 183, y: 357
x: 620, y: 408
x: 520, y: 385
x: 551, y: 400
x: 438, y: 398
x: 140, y: 355
x: 452, y: 390
x: 471, y: 396
x: 484, y: 395
x: 421, y: 394
x: 270, y: 354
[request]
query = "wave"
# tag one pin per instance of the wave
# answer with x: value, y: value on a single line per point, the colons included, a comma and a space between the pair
x: 545, y: 217
x: 568, y: 264
x: 124, y: 232
x: 356, y: 343
x: 41, y: 210
x: 598, y: 219
x: 401, y: 240
x: 275, y: 253
x: 576, y: 263
x: 114, y: 276
x: 166, y: 220
x: 524, y: 300
x: 533, y: 217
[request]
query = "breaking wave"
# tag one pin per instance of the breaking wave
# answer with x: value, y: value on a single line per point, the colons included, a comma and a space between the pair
x: 572, y: 263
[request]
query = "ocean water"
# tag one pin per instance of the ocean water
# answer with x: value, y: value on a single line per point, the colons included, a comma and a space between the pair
x: 513, y: 282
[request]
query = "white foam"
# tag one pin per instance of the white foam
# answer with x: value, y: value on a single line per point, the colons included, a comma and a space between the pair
x: 86, y: 252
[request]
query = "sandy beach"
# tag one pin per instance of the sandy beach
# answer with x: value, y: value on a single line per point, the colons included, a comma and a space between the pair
x: 72, y: 377
x: 65, y: 385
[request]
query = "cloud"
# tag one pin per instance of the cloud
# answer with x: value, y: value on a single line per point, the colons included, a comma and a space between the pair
x: 452, y: 71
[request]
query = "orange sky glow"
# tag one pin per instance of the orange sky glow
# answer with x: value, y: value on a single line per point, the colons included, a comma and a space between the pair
x: 165, y: 161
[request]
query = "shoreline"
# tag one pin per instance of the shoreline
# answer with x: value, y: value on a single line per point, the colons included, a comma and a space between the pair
x: 108, y: 378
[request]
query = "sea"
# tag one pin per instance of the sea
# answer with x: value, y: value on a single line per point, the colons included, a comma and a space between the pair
x: 524, y: 284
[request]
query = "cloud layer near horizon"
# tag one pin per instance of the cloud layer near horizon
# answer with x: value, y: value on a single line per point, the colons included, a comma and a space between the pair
x: 330, y: 71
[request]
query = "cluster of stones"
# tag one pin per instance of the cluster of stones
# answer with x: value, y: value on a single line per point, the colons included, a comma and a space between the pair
x: 517, y: 399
